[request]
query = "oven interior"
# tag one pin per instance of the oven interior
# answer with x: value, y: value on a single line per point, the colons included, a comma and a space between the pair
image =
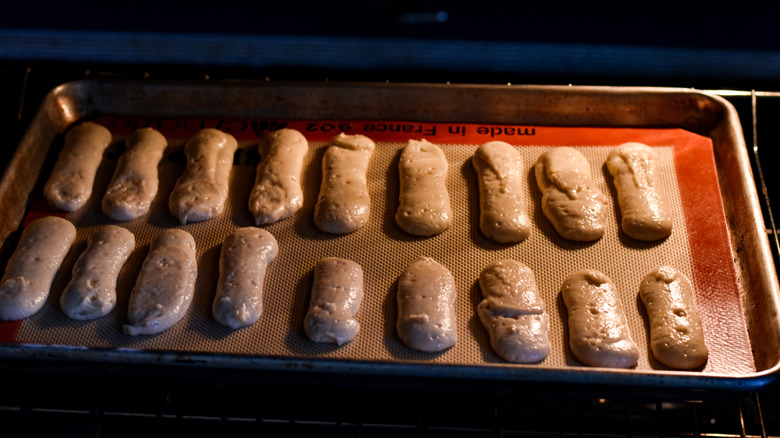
x: 50, y: 398
x: 46, y: 397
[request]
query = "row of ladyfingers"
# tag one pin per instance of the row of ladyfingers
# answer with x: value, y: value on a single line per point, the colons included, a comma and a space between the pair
x: 512, y: 311
x: 570, y: 200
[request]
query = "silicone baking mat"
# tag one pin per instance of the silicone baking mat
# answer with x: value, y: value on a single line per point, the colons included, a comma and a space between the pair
x: 698, y: 246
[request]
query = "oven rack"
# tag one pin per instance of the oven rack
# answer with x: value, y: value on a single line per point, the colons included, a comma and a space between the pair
x: 76, y: 404
x: 92, y: 400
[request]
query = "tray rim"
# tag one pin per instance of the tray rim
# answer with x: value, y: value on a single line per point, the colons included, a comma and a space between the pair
x: 79, y: 355
x: 63, y: 106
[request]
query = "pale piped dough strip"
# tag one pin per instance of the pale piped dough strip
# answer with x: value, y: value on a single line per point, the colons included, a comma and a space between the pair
x: 502, y: 203
x: 91, y: 292
x: 29, y: 274
x: 570, y: 201
x: 70, y: 183
x: 676, y: 331
x: 335, y: 299
x: 426, y: 306
x: 243, y: 262
x: 277, y: 193
x: 513, y: 313
x: 343, y: 205
x: 134, y: 185
x: 424, y: 202
x: 643, y: 208
x: 165, y: 286
x: 598, y: 330
x: 200, y: 193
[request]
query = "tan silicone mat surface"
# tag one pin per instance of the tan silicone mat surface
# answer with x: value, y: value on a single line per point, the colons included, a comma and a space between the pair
x: 383, y: 251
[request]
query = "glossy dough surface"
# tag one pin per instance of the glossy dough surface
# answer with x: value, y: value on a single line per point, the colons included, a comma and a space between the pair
x: 598, y: 330
x: 426, y: 306
x: 243, y: 262
x: 513, y: 312
x: 165, y: 286
x: 91, y: 292
x: 200, y: 193
x: 643, y: 210
x: 676, y: 331
x: 70, y: 183
x: 277, y: 193
x: 503, y: 210
x: 28, y: 277
x: 134, y: 185
x: 570, y: 201
x: 343, y: 205
x: 335, y: 300
x: 424, y: 202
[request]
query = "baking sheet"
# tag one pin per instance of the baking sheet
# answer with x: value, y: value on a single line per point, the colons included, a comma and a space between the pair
x: 462, y: 249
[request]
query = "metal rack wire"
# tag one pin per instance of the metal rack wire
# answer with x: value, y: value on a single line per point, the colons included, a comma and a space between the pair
x: 91, y: 401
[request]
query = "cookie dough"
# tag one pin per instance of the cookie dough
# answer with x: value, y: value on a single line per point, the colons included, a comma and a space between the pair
x: 502, y: 204
x: 643, y: 209
x: 30, y: 272
x: 513, y: 313
x: 424, y: 202
x: 70, y: 183
x: 200, y: 193
x: 598, y: 330
x: 335, y: 300
x: 426, y: 306
x: 676, y: 331
x: 243, y: 263
x: 570, y: 201
x: 134, y: 185
x: 343, y: 205
x: 91, y: 292
x: 165, y: 285
x: 277, y: 193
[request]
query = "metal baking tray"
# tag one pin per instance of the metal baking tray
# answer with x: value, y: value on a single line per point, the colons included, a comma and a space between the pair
x: 558, y: 106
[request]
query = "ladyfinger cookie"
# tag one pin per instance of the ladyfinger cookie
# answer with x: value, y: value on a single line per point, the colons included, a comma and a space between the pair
x: 28, y: 277
x: 277, y: 193
x: 91, y: 292
x: 200, y: 193
x: 243, y: 262
x: 70, y: 183
x: 343, y: 205
x: 513, y: 313
x: 165, y: 286
x: 424, y: 202
x: 643, y: 208
x: 335, y: 300
x: 570, y: 201
x: 134, y: 185
x: 598, y: 330
x: 426, y: 306
x: 503, y: 211
x: 676, y: 331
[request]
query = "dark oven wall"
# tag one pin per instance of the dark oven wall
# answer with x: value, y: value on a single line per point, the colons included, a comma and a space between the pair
x: 677, y: 44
